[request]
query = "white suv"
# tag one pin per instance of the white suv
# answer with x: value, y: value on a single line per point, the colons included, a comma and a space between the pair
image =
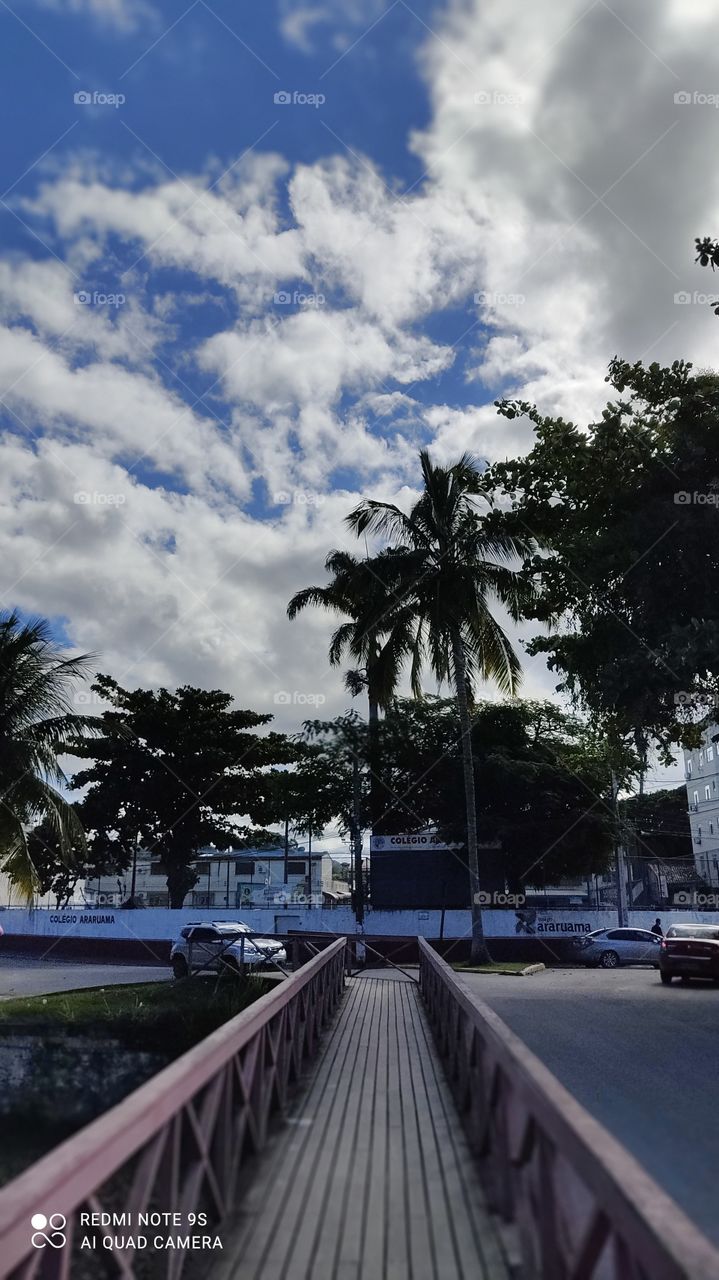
x: 218, y: 944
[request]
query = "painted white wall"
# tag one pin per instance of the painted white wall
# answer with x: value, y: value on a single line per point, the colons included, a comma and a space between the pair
x: 157, y: 924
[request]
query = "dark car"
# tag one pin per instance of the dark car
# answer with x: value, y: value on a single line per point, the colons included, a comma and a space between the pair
x: 690, y: 951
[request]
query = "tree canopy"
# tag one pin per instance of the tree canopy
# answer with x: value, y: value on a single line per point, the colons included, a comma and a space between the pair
x: 626, y: 512
x: 186, y: 771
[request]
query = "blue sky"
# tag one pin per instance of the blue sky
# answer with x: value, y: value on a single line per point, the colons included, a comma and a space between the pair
x: 225, y: 318
x: 199, y: 84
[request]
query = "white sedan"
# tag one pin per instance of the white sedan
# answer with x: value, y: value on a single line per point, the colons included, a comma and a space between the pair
x: 609, y: 948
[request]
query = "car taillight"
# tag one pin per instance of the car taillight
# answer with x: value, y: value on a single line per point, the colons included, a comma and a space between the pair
x: 663, y: 945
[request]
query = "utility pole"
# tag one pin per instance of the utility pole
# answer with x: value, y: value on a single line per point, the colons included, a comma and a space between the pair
x: 619, y: 862
x: 134, y: 869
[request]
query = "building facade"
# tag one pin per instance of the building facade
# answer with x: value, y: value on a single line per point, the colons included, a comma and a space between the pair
x: 701, y: 770
x: 227, y: 879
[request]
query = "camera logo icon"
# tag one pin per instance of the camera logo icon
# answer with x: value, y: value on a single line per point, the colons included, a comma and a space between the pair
x: 682, y: 898
x: 682, y: 98
x: 83, y: 298
x: 41, y: 1238
x: 282, y: 298
x: 682, y: 498
x: 682, y: 298
x: 82, y: 97
x: 282, y: 97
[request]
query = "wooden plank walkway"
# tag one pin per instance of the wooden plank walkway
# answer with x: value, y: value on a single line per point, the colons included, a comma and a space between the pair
x: 370, y: 1176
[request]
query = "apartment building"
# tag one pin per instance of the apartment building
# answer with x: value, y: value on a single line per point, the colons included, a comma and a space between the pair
x: 228, y: 879
x: 701, y: 770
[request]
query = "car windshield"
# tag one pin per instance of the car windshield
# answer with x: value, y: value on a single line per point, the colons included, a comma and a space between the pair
x: 708, y: 931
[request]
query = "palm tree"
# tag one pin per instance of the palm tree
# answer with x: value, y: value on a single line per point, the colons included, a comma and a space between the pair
x: 37, y: 724
x: 377, y: 634
x: 450, y: 564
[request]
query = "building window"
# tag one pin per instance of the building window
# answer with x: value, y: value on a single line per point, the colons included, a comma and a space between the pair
x: 244, y: 867
x: 710, y: 754
x: 296, y: 868
x: 711, y: 828
x: 689, y: 768
x: 707, y: 793
x: 701, y: 757
x: 696, y: 797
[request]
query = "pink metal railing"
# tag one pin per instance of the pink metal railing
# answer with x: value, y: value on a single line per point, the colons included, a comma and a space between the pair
x: 178, y: 1142
x: 577, y: 1205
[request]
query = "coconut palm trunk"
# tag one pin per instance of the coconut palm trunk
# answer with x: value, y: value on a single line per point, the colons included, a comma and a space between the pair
x: 375, y: 799
x: 479, y: 953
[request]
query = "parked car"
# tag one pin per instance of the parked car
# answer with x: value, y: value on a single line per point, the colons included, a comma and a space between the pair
x: 218, y: 944
x: 690, y: 951
x: 608, y: 948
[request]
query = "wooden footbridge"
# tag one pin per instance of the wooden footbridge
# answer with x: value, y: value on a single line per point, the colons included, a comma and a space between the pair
x: 383, y: 1126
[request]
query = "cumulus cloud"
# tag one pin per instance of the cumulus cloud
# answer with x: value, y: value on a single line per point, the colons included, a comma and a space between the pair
x: 559, y: 126
x: 121, y: 15
x: 563, y: 188
x: 298, y: 22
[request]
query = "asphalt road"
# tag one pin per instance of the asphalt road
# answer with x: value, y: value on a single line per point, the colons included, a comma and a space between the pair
x: 24, y: 976
x: 642, y: 1058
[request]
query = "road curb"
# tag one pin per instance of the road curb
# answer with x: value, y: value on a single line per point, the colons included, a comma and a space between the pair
x: 526, y: 972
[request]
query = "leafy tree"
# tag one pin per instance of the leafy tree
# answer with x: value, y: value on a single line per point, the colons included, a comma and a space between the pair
x: 182, y: 775
x: 544, y: 781
x: 626, y: 513
x: 377, y: 634
x: 55, y: 872
x: 37, y: 724
x: 708, y: 255
x: 59, y: 876
x: 341, y: 749
x: 660, y: 824
x: 451, y: 567
x: 305, y: 795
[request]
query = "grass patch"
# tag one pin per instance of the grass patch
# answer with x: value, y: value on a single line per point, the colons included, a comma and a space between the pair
x: 167, y: 1017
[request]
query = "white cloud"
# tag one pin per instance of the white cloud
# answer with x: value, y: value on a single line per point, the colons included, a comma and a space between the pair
x: 298, y: 22
x: 122, y: 15
x: 192, y: 585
